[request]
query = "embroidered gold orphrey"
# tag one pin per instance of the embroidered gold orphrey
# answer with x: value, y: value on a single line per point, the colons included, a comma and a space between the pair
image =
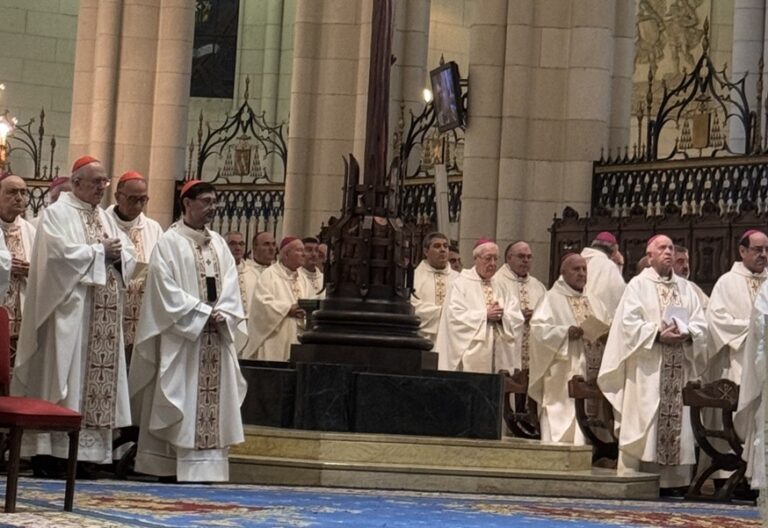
x: 134, y: 292
x: 582, y: 310
x: 103, y: 354
x: 525, y: 304
x: 241, y: 281
x: 209, y: 367
x: 753, y: 283
x: 12, y: 299
x: 671, y: 386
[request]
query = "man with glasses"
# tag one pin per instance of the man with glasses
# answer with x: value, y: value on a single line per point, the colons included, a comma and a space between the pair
x: 70, y: 349
x: 730, y: 306
x: 19, y: 236
x: 186, y: 385
x: 527, y: 289
x: 481, y: 322
x: 143, y: 232
x: 247, y: 275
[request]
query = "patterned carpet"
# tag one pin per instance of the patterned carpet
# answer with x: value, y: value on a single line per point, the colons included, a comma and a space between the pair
x: 121, y: 504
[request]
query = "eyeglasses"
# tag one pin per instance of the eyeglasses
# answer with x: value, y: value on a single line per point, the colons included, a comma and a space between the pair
x: 208, y: 202
x: 18, y: 192
x: 136, y: 200
x: 96, y: 182
x: 524, y: 256
x: 758, y: 249
x: 237, y: 243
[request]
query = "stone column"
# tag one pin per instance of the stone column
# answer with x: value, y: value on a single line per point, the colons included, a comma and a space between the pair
x: 138, y: 94
x: 749, y: 20
x: 324, y: 102
x: 82, y: 89
x: 270, y: 79
x: 105, y: 75
x: 487, y: 45
x: 170, y: 105
x: 621, y: 79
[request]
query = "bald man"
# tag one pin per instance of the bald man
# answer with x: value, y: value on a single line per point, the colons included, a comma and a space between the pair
x: 527, y: 289
x: 657, y: 343
x: 681, y: 265
x: 263, y: 251
x: 19, y: 236
x: 560, y: 350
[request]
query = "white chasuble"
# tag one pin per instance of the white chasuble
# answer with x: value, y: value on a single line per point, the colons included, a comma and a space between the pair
x: 19, y: 237
x: 430, y: 286
x: 730, y: 308
x: 143, y: 232
x: 528, y: 291
x: 271, y: 332
x: 604, y: 280
x: 70, y: 348
x: 750, y: 420
x: 555, y: 359
x: 466, y: 340
x: 643, y: 379
x: 316, y: 279
x: 258, y: 268
x: 186, y: 385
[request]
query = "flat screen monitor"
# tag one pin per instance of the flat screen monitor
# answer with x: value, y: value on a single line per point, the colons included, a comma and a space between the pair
x: 446, y: 96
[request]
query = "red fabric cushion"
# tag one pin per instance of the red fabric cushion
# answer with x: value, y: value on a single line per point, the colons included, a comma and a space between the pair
x: 31, y: 412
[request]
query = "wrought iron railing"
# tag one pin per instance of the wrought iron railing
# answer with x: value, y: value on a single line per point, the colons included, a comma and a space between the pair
x: 703, y: 168
x: 28, y: 142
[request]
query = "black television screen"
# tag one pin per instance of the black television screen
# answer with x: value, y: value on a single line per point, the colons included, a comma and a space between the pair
x: 446, y: 96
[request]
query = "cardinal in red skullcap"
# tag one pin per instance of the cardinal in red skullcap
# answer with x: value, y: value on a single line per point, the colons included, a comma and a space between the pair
x: 191, y: 318
x: 131, y: 197
x: 71, y: 343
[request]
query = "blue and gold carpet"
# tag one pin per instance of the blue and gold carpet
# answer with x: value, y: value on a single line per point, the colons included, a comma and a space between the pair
x: 118, y: 504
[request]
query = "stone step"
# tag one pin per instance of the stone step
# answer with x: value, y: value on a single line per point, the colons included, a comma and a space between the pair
x: 593, y: 483
x: 401, y: 450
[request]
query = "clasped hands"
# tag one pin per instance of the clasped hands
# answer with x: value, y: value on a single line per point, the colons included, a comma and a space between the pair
x: 19, y: 268
x: 670, y: 334
x: 112, y: 249
x: 216, y: 317
x: 297, y: 312
x: 495, y: 312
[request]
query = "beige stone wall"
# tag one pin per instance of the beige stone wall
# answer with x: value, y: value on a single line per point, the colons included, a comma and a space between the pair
x: 549, y: 84
x: 449, y: 32
x: 131, y: 89
x: 37, y: 55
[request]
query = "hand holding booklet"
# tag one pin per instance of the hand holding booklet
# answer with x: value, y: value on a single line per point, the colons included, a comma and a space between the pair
x: 678, y: 316
x: 594, y: 328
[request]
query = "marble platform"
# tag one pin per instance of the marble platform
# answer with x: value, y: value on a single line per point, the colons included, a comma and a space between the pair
x: 512, y: 466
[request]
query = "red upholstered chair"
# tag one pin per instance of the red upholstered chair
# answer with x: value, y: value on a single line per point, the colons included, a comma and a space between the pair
x: 18, y: 414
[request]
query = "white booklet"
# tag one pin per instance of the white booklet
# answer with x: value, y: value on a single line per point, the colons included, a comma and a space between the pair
x: 678, y: 316
x: 594, y: 328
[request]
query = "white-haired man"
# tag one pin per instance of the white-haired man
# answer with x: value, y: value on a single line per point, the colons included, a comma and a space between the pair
x: 276, y: 319
x: 481, y: 323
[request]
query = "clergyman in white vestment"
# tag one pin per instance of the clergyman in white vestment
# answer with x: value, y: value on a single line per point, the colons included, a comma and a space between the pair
x: 682, y: 268
x: 527, y: 289
x: 19, y: 237
x: 186, y: 385
x: 276, y: 319
x: 431, y: 280
x: 604, y: 280
x: 657, y: 343
x: 312, y: 267
x: 70, y: 349
x: 263, y: 251
x: 481, y: 324
x: 560, y: 351
x: 143, y: 232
